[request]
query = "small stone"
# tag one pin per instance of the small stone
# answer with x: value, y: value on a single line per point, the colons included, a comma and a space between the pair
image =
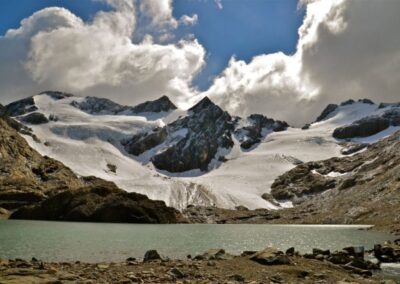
x: 102, y: 266
x: 52, y: 270
x: 236, y: 277
x: 290, y: 251
x: 176, y: 273
x: 131, y: 259
x: 211, y: 263
x: 151, y: 255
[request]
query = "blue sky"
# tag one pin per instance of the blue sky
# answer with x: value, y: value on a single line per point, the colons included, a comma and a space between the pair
x: 243, y: 28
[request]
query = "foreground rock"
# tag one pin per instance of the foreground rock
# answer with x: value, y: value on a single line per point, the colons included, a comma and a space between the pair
x: 388, y: 252
x: 215, y: 267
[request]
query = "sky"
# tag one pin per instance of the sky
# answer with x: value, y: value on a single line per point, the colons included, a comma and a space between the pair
x: 282, y: 58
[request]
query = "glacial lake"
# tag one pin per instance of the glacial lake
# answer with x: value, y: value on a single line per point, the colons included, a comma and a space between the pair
x: 95, y: 242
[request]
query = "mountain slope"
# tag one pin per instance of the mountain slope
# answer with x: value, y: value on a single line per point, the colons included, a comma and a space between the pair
x: 202, y: 156
x: 37, y: 187
x: 365, y: 188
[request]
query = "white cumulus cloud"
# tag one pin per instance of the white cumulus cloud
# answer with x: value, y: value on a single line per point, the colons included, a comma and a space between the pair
x: 54, y: 49
x: 346, y: 49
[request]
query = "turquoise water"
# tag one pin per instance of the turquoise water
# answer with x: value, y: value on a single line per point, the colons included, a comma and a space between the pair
x: 94, y: 242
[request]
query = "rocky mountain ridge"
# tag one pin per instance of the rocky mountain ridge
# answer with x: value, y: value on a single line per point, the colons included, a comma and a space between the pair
x: 94, y: 105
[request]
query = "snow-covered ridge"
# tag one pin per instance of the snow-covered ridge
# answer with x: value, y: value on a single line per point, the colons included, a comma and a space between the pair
x: 89, y: 143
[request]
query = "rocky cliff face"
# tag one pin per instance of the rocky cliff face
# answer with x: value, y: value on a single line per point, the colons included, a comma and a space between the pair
x: 363, y: 188
x: 190, y: 142
x: 206, y: 133
x: 37, y: 187
x: 255, y: 128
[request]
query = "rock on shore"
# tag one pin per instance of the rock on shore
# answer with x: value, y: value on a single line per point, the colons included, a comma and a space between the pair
x: 214, y: 266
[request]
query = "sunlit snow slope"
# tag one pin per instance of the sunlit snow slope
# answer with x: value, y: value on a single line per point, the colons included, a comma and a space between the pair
x: 89, y: 143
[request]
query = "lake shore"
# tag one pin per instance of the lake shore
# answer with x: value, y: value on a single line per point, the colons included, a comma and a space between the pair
x: 214, y: 266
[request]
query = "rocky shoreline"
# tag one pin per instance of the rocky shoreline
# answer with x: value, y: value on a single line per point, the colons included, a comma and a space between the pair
x: 214, y: 266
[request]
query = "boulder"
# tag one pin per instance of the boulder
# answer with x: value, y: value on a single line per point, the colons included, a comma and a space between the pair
x: 270, y: 256
x: 176, y: 273
x: 317, y: 251
x: 151, y: 255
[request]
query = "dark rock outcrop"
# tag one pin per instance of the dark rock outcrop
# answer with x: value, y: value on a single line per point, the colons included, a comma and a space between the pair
x: 190, y: 142
x: 162, y: 104
x: 21, y: 107
x: 362, y: 128
x: 369, y: 125
x: 327, y: 111
x: 302, y: 181
x: 94, y: 105
x: 34, y: 118
x: 252, y: 133
x: 100, y: 201
x: 142, y: 142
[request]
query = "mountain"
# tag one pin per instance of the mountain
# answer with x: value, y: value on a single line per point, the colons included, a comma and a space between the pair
x: 33, y: 186
x: 203, y: 156
x: 94, y: 105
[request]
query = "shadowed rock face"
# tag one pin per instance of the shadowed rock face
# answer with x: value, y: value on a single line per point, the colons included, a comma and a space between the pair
x: 160, y: 105
x: 208, y: 129
x: 34, y: 118
x: 328, y: 110
x: 252, y: 133
x: 362, y: 128
x: 21, y: 107
x: 94, y: 105
x: 369, y: 125
x: 190, y: 142
x: 27, y: 105
x: 100, y: 201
